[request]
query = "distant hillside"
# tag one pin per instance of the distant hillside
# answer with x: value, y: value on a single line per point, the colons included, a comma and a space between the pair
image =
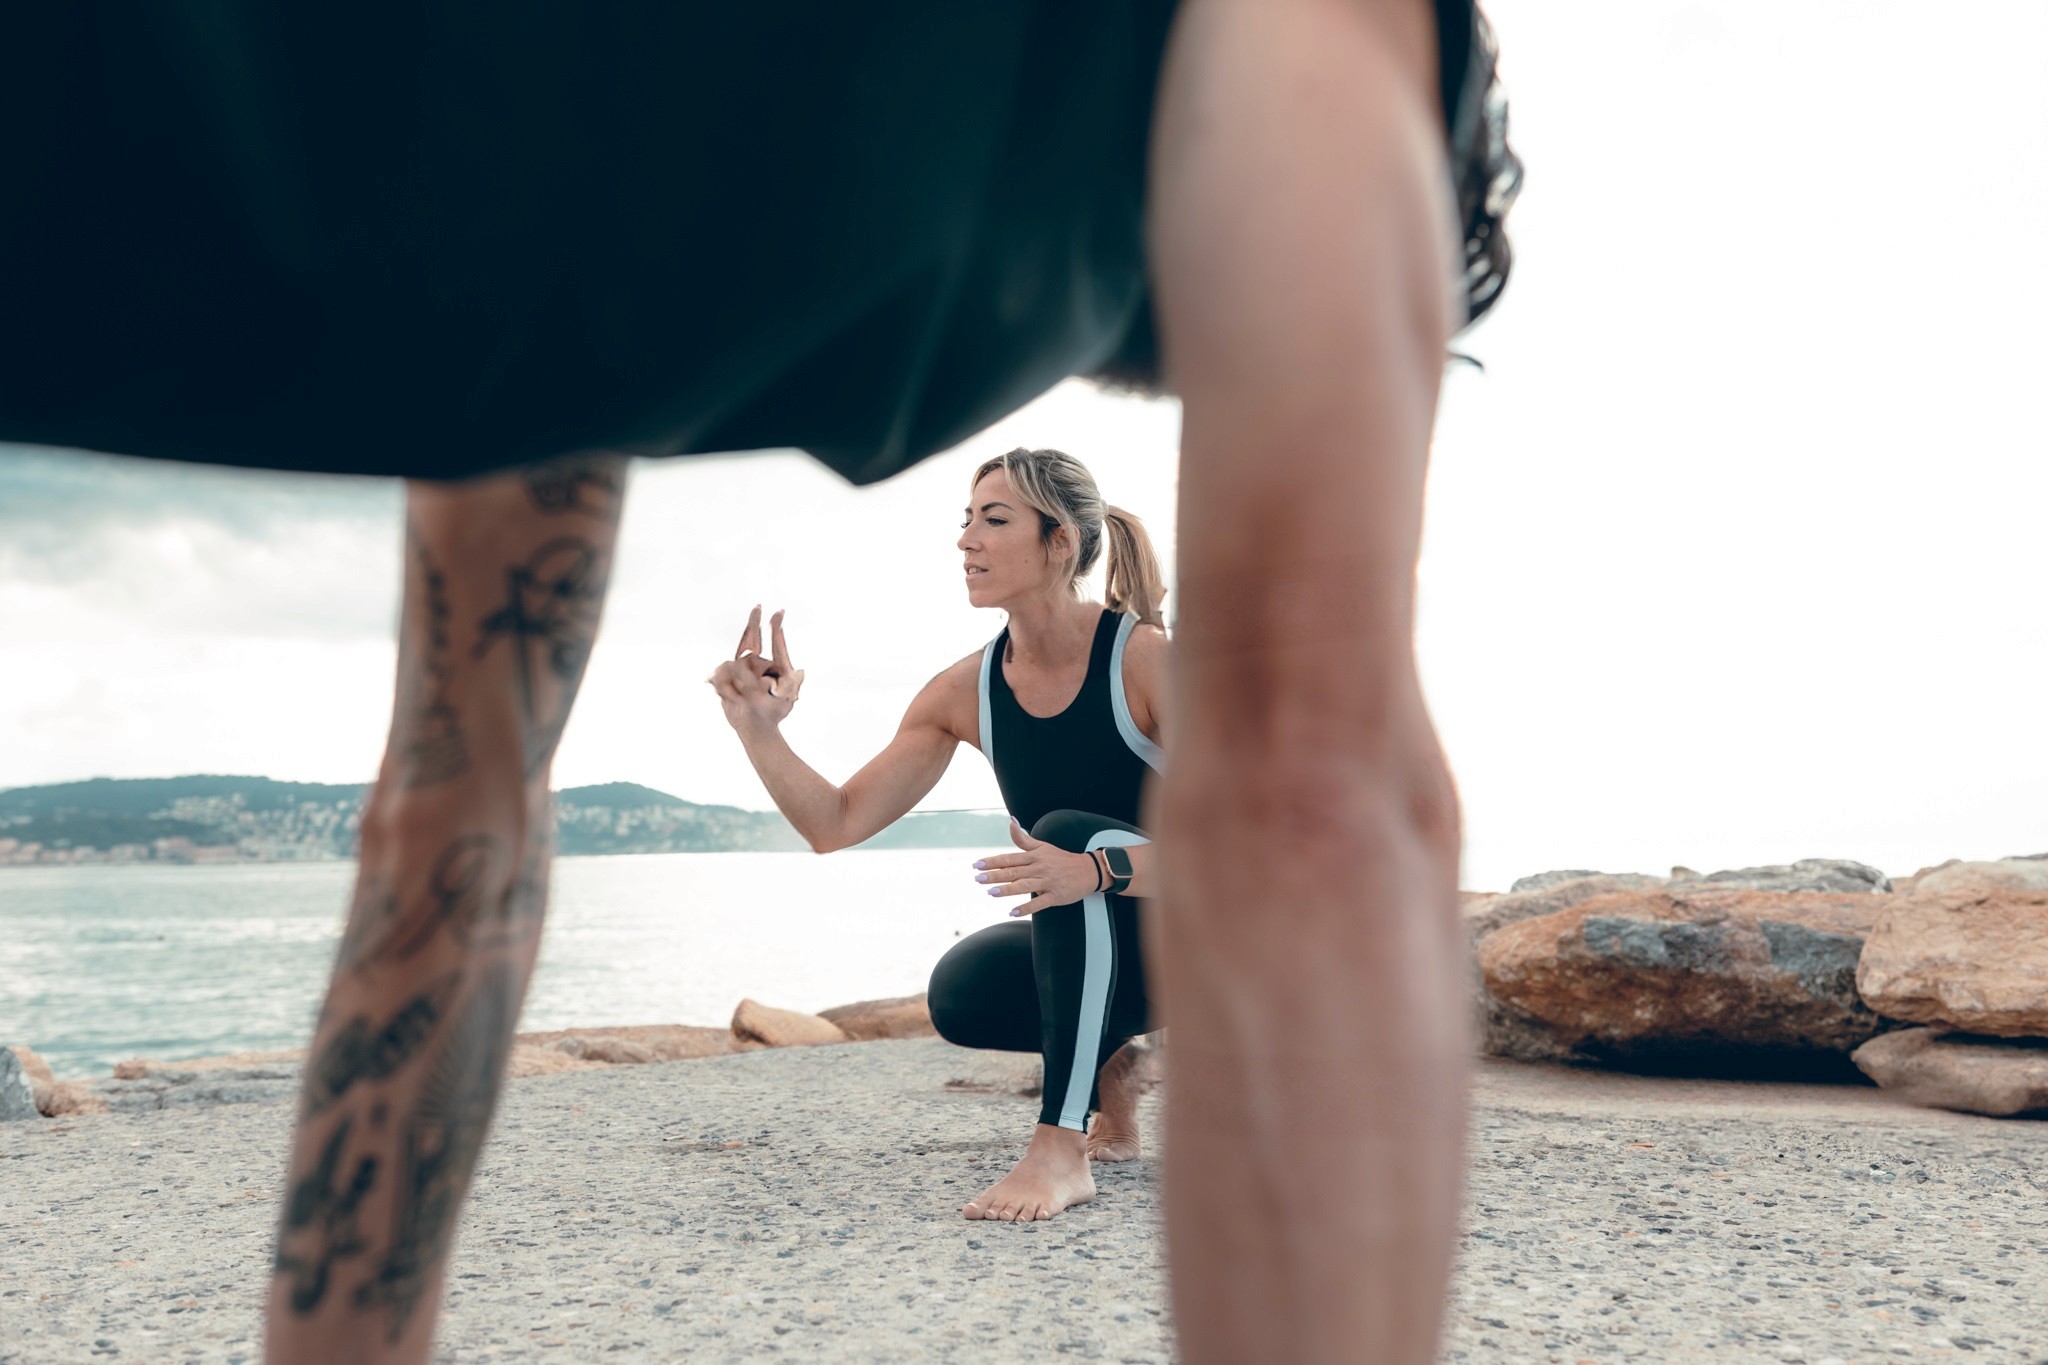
x: 213, y: 818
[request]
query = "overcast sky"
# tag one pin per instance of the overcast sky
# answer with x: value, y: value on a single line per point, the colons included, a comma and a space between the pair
x: 1734, y: 554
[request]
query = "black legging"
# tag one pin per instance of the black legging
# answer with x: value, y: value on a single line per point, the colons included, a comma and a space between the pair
x: 1066, y: 982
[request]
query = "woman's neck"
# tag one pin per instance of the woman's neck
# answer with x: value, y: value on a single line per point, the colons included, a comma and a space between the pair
x: 1048, y: 630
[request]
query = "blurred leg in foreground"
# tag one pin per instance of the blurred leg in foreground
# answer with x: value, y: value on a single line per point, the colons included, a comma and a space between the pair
x: 504, y: 581
x: 1302, y: 241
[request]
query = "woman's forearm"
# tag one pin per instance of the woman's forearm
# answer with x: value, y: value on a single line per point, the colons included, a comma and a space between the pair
x: 816, y: 807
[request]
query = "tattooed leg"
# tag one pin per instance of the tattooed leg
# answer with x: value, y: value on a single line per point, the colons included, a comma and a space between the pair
x: 504, y: 582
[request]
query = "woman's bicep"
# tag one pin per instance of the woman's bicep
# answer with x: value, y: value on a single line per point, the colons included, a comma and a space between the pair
x: 906, y: 770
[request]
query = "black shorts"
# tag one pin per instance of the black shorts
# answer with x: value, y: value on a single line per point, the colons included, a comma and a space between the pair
x: 440, y: 239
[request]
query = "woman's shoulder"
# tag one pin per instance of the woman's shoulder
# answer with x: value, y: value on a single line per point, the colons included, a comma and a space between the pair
x: 952, y: 699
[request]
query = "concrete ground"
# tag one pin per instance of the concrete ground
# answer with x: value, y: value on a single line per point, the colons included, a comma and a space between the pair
x: 804, y: 1203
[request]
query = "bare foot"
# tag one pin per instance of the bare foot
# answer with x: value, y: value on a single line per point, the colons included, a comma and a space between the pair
x: 1052, y: 1176
x: 1113, y: 1136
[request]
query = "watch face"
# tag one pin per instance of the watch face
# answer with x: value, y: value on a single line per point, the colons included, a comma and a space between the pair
x: 1119, y: 860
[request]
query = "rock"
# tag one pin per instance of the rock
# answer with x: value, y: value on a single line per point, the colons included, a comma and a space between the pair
x: 70, y: 1099
x: 1536, y: 881
x: 904, y: 1017
x: 41, y: 1081
x: 1968, y: 950
x: 1977, y: 1075
x: 1808, y: 874
x: 603, y: 1048
x: 758, y: 1023
x: 17, y: 1095
x: 1482, y: 917
x: 149, y: 1085
x: 668, y: 1042
x: 1688, y: 975
x: 2024, y: 874
x: 528, y: 1060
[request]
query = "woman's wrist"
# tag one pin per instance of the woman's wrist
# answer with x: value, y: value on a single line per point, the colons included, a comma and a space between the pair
x: 1101, y: 869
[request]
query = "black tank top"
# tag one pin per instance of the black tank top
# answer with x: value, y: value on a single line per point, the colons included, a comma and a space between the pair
x: 1090, y: 757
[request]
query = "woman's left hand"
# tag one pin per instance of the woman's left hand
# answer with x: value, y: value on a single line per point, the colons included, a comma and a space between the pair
x: 1049, y: 875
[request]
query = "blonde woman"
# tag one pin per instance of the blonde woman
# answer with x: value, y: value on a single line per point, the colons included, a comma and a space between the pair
x: 1065, y: 704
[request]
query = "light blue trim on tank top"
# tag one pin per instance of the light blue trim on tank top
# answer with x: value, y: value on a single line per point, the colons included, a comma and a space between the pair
x: 1154, y: 756
x: 988, y: 735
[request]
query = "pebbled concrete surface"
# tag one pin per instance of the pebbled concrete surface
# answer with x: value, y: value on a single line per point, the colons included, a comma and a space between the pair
x: 803, y: 1204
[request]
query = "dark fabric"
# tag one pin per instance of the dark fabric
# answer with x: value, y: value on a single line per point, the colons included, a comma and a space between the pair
x: 433, y: 240
x: 1016, y: 986
x: 437, y: 239
x: 1075, y: 760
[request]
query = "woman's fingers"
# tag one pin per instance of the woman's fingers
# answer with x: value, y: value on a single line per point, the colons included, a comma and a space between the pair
x: 750, y: 638
x: 1021, y: 839
x: 781, y: 645
x: 1028, y: 886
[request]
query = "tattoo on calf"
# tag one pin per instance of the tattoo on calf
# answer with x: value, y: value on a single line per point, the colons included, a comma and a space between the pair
x: 438, y: 1145
x: 324, y: 1218
x: 428, y: 739
x: 591, y: 484
x: 552, y: 604
x: 361, y: 1052
x: 456, y: 886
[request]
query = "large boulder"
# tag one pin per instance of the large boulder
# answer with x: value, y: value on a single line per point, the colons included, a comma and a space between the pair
x: 1689, y: 975
x: 141, y: 1085
x: 754, y: 1022
x: 905, y: 1016
x: 1808, y: 874
x: 17, y: 1095
x: 1977, y: 1075
x: 1968, y: 949
x: 1549, y: 893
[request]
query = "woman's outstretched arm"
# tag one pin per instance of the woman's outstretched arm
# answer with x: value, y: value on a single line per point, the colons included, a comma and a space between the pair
x: 1303, y: 247
x: 758, y: 693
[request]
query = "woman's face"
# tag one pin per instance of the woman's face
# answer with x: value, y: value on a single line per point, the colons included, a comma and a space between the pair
x: 1000, y: 550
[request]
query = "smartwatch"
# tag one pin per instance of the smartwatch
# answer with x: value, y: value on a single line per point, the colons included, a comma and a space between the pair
x: 1120, y: 869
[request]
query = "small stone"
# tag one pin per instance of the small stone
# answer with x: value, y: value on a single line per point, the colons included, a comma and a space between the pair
x: 755, y: 1022
x: 903, y: 1017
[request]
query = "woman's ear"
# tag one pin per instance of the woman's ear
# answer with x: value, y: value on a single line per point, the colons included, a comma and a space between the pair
x: 1059, y: 546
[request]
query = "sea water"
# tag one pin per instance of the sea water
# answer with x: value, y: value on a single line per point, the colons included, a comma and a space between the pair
x: 102, y: 963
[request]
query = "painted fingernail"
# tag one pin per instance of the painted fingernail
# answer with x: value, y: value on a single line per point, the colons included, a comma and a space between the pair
x: 995, y: 891
x: 981, y: 877
x: 982, y: 862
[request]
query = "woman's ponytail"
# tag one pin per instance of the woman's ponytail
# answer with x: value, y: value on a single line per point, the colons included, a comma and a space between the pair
x: 1133, y: 581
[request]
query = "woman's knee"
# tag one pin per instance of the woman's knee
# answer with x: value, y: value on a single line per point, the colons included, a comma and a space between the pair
x: 1072, y: 829
x: 949, y: 998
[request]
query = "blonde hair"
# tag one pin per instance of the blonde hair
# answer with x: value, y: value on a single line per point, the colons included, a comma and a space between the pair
x: 1063, y: 493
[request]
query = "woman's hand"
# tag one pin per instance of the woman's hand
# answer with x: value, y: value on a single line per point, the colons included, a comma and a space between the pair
x: 1048, y: 874
x: 754, y: 690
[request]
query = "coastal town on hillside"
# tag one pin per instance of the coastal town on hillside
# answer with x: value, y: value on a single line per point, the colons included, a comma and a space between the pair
x: 204, y: 820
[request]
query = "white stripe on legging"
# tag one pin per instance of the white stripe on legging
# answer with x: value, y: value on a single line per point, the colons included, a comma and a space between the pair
x: 1095, y: 975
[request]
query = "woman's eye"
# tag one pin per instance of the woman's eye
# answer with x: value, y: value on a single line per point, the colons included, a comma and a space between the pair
x: 997, y: 521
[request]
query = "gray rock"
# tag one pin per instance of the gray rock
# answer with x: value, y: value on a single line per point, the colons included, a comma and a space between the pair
x: 165, y: 1088
x: 1808, y: 874
x: 17, y: 1096
x: 1538, y: 880
x: 1482, y: 917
